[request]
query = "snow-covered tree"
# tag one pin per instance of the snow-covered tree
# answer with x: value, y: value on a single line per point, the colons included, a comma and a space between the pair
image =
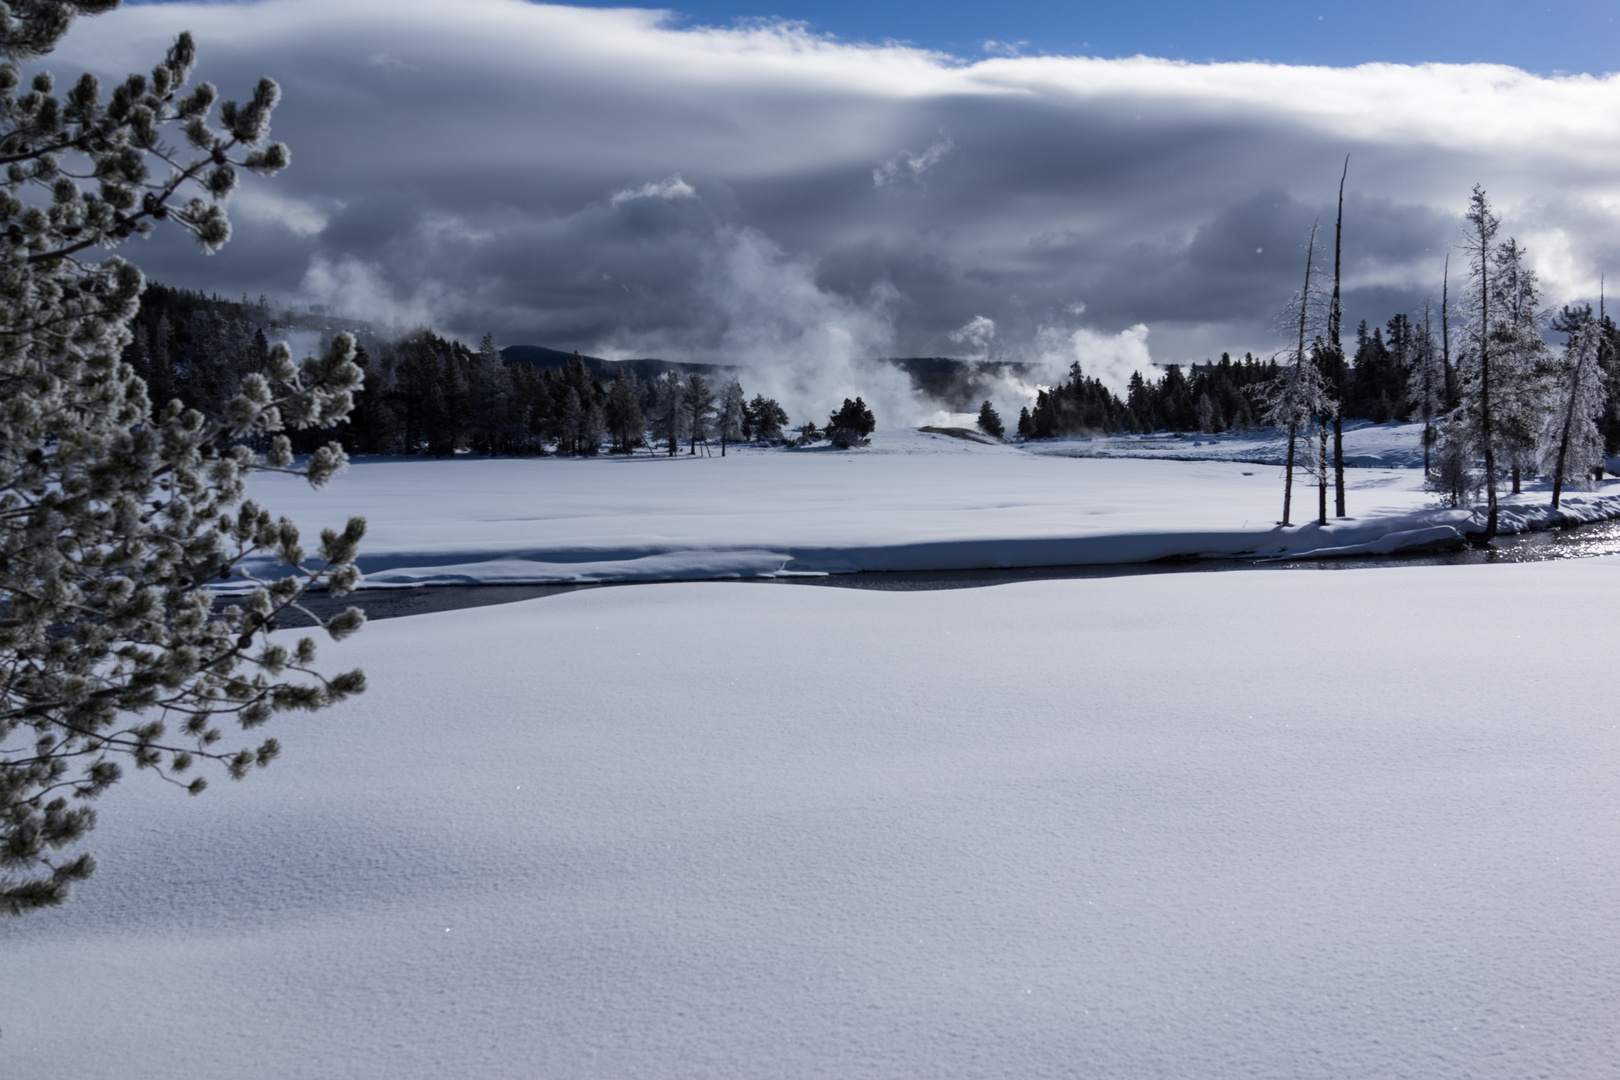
x: 1426, y: 384
x: 1473, y: 429
x: 1298, y: 400
x: 114, y: 518
x: 1522, y: 360
x: 1570, y: 440
x: 729, y: 415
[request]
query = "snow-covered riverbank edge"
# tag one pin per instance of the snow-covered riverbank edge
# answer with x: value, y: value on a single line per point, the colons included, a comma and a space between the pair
x: 911, y: 502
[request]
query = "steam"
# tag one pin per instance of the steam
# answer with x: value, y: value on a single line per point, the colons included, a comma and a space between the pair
x: 789, y: 338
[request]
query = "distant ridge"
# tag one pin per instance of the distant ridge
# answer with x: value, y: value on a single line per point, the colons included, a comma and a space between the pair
x: 957, y: 384
x: 538, y: 356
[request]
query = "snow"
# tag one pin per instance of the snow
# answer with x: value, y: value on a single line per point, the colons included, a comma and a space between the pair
x: 911, y: 501
x: 1366, y: 446
x: 1351, y: 824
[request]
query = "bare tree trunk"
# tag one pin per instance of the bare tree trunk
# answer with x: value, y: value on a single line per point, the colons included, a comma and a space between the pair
x: 1445, y: 336
x: 1288, y: 473
x: 1321, y: 476
x: 1569, y: 424
x: 1335, y: 320
x: 1486, y: 427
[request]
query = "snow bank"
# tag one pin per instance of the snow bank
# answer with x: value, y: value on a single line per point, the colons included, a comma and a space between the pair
x: 912, y: 501
x: 1279, y: 826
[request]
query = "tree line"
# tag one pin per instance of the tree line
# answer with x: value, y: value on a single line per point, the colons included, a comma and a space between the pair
x: 427, y: 394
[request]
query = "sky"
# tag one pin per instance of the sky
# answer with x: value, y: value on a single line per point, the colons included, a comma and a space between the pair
x: 801, y: 188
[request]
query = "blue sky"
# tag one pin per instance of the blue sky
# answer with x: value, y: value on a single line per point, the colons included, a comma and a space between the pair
x: 1560, y: 35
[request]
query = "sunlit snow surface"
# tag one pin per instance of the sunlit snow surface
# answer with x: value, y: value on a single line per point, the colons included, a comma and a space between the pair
x: 1356, y: 824
x: 911, y: 501
x: 1283, y: 825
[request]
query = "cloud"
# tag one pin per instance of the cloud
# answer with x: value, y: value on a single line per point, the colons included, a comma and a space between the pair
x: 496, y: 178
x: 672, y: 187
x: 908, y: 166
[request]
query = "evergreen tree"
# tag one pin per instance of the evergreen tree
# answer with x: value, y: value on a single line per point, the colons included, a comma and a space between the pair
x: 764, y: 418
x: 1474, y: 427
x: 115, y: 517
x: 990, y: 421
x: 729, y: 418
x: 1571, y: 441
x: 623, y: 413
x: 1523, y: 361
x: 668, y: 413
x: 1298, y: 397
x: 700, y: 411
x: 851, y: 424
x: 1426, y: 386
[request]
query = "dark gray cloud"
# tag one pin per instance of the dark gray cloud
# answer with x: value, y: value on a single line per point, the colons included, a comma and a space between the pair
x: 595, y: 179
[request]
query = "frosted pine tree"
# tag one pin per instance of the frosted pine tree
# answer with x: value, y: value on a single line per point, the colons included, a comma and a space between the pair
x: 1571, y: 444
x: 115, y: 518
x: 1523, y: 361
x: 1426, y: 385
x: 1297, y: 400
x: 1472, y: 431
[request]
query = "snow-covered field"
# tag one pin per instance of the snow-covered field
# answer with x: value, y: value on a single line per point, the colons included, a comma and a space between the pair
x: 1366, y: 446
x: 1295, y: 825
x: 911, y: 501
x: 1291, y: 825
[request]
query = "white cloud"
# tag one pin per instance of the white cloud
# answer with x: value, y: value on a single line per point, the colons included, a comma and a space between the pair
x: 671, y: 187
x: 909, y: 166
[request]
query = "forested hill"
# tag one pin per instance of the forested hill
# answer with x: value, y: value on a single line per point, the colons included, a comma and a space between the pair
x: 543, y: 359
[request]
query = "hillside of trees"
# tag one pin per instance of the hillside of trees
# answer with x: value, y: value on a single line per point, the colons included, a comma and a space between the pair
x: 427, y: 394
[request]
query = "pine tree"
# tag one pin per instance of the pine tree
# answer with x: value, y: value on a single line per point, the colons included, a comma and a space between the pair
x: 990, y: 421
x: 1523, y: 360
x: 1298, y: 397
x: 729, y: 419
x: 1571, y: 440
x: 765, y: 419
x: 668, y: 413
x: 623, y: 412
x: 1475, y: 424
x: 851, y: 424
x: 1426, y: 386
x: 700, y: 411
x: 114, y: 518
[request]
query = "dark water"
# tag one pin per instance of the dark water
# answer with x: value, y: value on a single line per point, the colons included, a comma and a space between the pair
x: 1584, y: 541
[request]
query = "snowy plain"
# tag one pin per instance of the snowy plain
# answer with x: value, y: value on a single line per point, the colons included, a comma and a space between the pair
x: 1339, y: 824
x: 910, y: 501
x: 1303, y: 824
